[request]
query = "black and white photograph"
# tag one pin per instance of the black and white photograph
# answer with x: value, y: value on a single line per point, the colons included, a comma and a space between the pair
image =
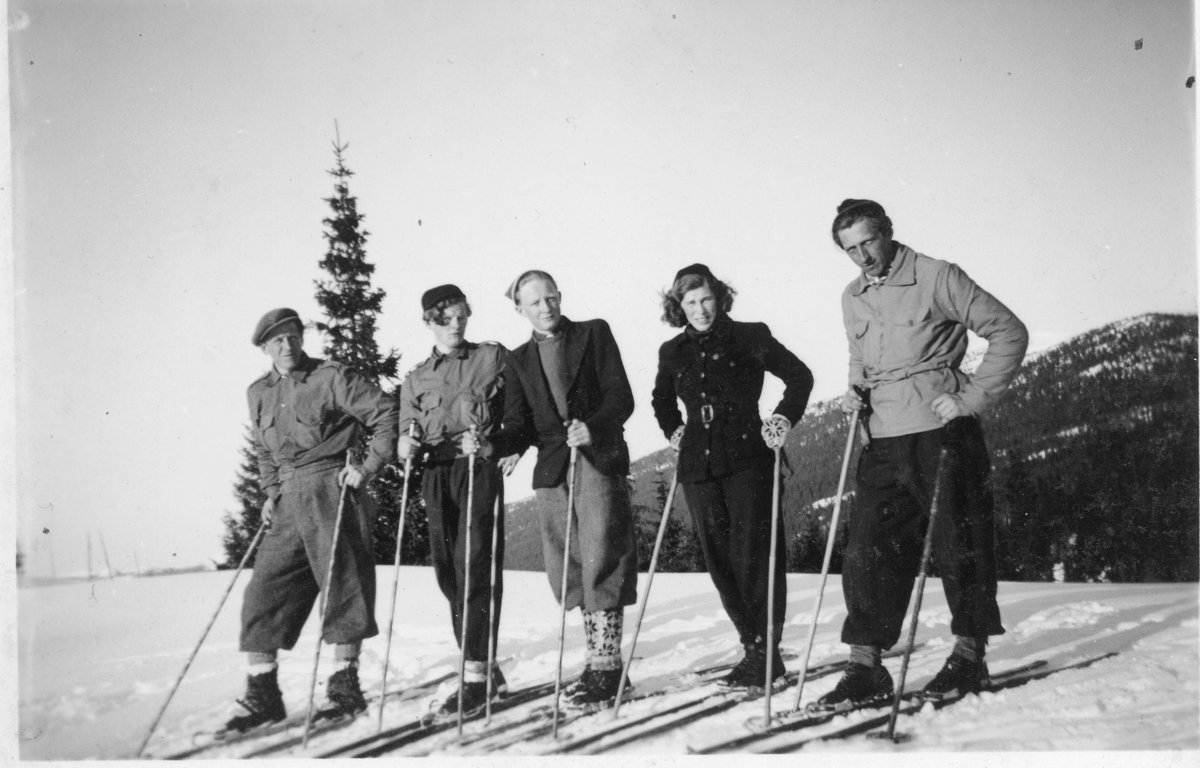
x: 636, y: 378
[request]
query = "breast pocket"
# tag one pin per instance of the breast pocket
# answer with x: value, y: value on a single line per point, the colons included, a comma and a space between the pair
x: 310, y: 425
x: 474, y: 410
x: 910, y: 333
x: 270, y: 435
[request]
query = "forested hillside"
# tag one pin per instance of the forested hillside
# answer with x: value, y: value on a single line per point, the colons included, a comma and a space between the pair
x: 1094, y: 456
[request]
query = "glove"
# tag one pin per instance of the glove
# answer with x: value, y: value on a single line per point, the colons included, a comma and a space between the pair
x: 775, y: 431
x: 677, y: 438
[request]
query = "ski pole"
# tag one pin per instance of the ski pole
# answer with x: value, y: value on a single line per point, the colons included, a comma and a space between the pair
x: 491, y: 661
x: 771, y: 591
x: 387, y: 648
x: 662, y: 528
x: 562, y: 629
x: 833, y: 523
x: 245, y: 559
x: 920, y: 589
x: 337, y: 528
x: 466, y: 614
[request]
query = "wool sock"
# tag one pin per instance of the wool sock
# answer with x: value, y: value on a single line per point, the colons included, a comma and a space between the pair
x: 866, y: 655
x: 474, y: 671
x: 260, y: 663
x: 346, y: 655
x: 970, y: 648
x: 603, y: 630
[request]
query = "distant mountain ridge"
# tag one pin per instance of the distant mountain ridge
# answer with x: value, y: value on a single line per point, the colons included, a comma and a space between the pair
x: 1094, y: 463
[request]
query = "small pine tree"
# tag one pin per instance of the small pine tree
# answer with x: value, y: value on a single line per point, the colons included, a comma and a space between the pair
x: 351, y: 307
x: 350, y: 304
x: 240, y: 528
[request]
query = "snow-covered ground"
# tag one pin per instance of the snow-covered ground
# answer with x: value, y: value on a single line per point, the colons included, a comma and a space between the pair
x: 97, y: 659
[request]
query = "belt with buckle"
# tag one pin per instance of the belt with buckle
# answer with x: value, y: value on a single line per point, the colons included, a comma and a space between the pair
x: 706, y: 414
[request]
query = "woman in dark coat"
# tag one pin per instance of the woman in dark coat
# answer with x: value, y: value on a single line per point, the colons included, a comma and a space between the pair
x: 725, y: 451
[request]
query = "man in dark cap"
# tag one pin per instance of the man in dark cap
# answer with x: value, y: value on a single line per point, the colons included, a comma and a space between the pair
x: 567, y: 389
x: 454, y: 402
x: 307, y: 414
x: 907, y: 318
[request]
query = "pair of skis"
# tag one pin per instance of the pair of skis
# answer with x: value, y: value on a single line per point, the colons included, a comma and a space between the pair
x: 775, y: 740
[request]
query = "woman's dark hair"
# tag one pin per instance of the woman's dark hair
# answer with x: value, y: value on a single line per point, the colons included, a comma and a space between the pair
x: 850, y: 212
x: 437, y: 313
x: 673, y: 314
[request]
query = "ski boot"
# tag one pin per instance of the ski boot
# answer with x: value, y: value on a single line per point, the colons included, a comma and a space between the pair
x: 263, y: 703
x: 751, y: 671
x: 958, y: 677
x: 599, y: 691
x: 344, y: 693
x: 474, y: 701
x: 860, y: 686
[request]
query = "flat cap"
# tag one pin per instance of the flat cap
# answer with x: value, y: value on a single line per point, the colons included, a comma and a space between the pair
x: 271, y: 321
x: 695, y: 269
x: 435, y: 296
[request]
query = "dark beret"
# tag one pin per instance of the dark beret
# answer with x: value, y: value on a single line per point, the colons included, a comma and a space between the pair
x: 851, y: 204
x: 271, y: 321
x: 695, y: 269
x: 435, y: 296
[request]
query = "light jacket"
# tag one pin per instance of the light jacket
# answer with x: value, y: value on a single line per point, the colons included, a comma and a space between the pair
x: 908, y: 335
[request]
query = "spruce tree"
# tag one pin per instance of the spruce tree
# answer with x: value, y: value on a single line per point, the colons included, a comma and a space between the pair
x: 351, y: 307
x: 240, y: 528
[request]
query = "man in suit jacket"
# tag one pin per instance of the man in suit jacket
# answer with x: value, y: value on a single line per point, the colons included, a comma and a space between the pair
x: 567, y: 389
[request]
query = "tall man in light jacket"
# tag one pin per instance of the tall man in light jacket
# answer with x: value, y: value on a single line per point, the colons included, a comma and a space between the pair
x: 907, y: 318
x: 566, y: 388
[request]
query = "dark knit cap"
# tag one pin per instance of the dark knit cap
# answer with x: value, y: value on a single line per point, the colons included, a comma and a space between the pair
x: 271, y: 321
x: 435, y: 296
x: 695, y: 269
x: 851, y: 204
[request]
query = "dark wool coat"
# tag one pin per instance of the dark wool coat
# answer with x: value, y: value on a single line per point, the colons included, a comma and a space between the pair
x: 723, y: 369
x: 599, y: 396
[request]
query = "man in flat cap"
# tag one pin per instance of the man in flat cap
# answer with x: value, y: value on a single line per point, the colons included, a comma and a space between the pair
x: 307, y: 414
x: 452, y: 404
x: 907, y: 318
x: 567, y: 389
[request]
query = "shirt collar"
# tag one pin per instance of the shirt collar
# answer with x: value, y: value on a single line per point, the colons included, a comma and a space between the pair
x: 461, y: 353
x: 903, y: 271
x: 559, y: 330
x: 721, y: 327
x: 299, y: 373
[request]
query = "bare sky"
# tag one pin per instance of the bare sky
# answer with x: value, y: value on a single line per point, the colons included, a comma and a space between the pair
x: 169, y: 169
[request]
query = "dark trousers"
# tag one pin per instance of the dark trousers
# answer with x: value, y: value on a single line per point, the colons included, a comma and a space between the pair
x: 895, y: 481
x: 732, y: 515
x: 444, y: 489
x: 294, y: 557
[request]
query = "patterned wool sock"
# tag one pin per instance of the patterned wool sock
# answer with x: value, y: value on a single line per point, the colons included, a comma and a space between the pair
x: 603, y: 630
x: 866, y: 655
x: 970, y: 648
x: 260, y: 663
x: 474, y: 671
x: 346, y: 655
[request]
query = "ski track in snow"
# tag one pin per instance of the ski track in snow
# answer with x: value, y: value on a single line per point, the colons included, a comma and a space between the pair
x: 97, y: 659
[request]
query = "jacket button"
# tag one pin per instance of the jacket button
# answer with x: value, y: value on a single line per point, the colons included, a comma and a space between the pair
x: 706, y: 427
x: 702, y: 374
x: 716, y: 357
x: 706, y: 450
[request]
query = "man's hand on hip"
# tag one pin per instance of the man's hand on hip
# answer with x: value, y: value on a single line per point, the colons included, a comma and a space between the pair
x: 949, y: 407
